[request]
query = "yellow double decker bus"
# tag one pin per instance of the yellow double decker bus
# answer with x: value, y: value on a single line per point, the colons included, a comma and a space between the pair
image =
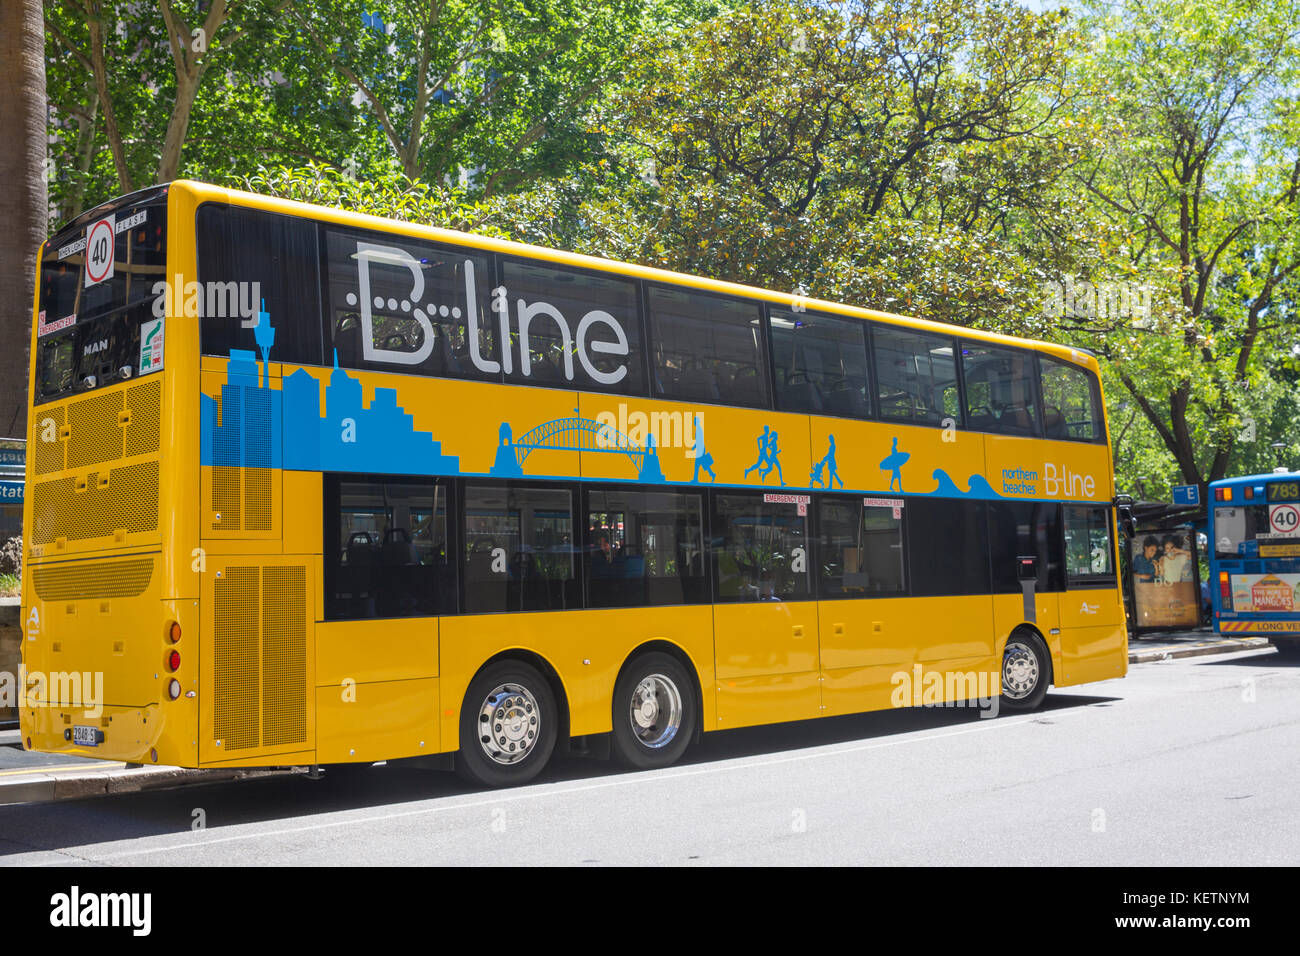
x: 308, y: 487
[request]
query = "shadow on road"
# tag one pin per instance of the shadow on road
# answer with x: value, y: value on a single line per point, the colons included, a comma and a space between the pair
x: 125, y: 817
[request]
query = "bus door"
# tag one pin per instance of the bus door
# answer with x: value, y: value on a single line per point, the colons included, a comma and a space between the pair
x: 1092, y: 625
x: 767, y: 656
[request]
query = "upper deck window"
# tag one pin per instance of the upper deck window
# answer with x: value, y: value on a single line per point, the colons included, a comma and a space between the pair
x: 1071, y: 403
x: 821, y: 364
x: 916, y: 376
x: 1000, y: 390
x: 707, y: 348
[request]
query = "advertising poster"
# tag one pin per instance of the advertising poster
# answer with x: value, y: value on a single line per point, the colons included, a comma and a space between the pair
x: 1265, y: 592
x: 1164, y: 580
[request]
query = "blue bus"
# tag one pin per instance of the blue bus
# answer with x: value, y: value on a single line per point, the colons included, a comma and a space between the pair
x: 1254, y: 529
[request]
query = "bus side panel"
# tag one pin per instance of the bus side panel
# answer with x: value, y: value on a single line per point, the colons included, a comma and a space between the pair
x: 585, y: 648
x: 384, y: 720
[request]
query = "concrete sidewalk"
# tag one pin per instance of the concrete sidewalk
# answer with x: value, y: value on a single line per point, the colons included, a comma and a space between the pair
x: 1194, y: 643
x: 27, y: 777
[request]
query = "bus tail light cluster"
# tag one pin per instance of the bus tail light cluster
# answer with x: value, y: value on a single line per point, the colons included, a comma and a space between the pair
x: 174, y: 660
x: 1222, y: 494
x: 1225, y: 591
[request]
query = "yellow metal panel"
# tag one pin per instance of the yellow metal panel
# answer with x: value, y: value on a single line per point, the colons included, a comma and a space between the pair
x: 365, y: 652
x: 764, y: 638
x: 1089, y: 607
x: 377, y: 721
x: 585, y: 648
x: 867, y: 632
x: 750, y: 701
x: 1036, y: 469
x: 853, y: 690
x: 951, y: 628
x: 304, y: 511
x: 1092, y: 653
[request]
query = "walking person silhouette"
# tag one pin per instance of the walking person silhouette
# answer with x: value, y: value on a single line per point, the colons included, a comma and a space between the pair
x: 762, y: 452
x: 773, y: 460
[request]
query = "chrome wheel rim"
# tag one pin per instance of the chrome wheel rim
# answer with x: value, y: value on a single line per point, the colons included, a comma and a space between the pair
x: 655, y: 711
x: 509, y: 722
x: 1019, y: 670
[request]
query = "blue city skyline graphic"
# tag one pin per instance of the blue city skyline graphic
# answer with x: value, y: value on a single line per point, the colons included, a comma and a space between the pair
x: 257, y: 426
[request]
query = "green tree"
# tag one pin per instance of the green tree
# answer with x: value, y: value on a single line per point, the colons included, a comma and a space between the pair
x: 1198, y: 183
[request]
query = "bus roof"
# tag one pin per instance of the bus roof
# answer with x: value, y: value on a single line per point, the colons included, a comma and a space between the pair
x: 1255, y: 479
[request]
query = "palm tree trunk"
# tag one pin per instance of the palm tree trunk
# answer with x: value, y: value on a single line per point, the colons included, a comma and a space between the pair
x: 24, y: 210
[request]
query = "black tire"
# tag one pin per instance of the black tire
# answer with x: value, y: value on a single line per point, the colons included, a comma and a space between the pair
x: 524, y: 701
x: 1026, y: 670
x: 647, y: 736
x: 1289, y: 648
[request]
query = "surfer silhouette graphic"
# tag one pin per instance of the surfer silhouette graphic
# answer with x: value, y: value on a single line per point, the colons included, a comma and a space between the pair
x: 894, y: 462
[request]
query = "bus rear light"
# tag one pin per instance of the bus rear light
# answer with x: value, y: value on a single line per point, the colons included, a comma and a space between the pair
x: 173, y: 689
x: 174, y: 633
x: 1248, y: 493
x: 1218, y: 494
x: 174, y: 661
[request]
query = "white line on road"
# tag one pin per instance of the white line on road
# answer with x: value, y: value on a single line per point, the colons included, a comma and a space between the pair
x: 638, y: 779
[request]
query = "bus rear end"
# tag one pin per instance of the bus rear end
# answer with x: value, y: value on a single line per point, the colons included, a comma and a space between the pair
x: 104, y: 651
x: 1255, y: 565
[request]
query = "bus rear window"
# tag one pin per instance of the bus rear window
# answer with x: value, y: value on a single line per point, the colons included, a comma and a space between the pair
x: 1236, y: 528
x: 88, y: 335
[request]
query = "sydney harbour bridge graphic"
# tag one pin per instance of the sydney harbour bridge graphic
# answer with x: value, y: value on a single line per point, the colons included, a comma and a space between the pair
x: 574, y: 433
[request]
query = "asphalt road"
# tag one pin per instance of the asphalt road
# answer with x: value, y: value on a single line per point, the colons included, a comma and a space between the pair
x: 1191, y: 761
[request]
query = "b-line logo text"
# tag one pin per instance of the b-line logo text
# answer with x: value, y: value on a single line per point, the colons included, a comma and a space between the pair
x: 77, y: 909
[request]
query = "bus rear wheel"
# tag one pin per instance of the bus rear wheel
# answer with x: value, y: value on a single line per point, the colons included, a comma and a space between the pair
x: 654, y: 712
x: 1026, y: 671
x: 507, y: 726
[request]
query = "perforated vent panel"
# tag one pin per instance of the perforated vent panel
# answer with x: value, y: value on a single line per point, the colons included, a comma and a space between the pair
x: 94, y: 579
x: 90, y: 493
x: 96, y: 432
x: 49, y: 454
x: 284, y: 656
x: 144, y: 402
x: 128, y: 501
x: 234, y: 658
x: 260, y: 657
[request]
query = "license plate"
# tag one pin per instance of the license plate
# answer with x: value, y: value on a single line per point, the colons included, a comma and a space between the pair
x: 84, y: 736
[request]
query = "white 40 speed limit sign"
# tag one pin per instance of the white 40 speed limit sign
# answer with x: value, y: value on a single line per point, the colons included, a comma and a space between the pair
x: 1284, y: 519
x: 100, y: 236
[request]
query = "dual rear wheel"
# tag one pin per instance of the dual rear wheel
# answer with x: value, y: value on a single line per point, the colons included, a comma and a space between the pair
x: 509, y: 721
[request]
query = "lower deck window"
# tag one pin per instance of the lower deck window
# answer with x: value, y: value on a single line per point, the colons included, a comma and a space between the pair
x: 386, y: 549
x: 520, y: 552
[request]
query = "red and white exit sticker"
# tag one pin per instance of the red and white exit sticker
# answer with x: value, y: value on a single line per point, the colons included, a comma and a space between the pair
x: 101, y: 236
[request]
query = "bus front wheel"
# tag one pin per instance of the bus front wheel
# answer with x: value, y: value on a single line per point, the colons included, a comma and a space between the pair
x: 1026, y: 671
x: 654, y: 712
x: 507, y: 726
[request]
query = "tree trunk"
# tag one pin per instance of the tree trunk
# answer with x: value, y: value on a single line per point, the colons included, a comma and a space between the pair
x: 23, y: 201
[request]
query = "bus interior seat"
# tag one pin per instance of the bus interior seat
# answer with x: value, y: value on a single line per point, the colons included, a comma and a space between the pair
x: 846, y: 400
